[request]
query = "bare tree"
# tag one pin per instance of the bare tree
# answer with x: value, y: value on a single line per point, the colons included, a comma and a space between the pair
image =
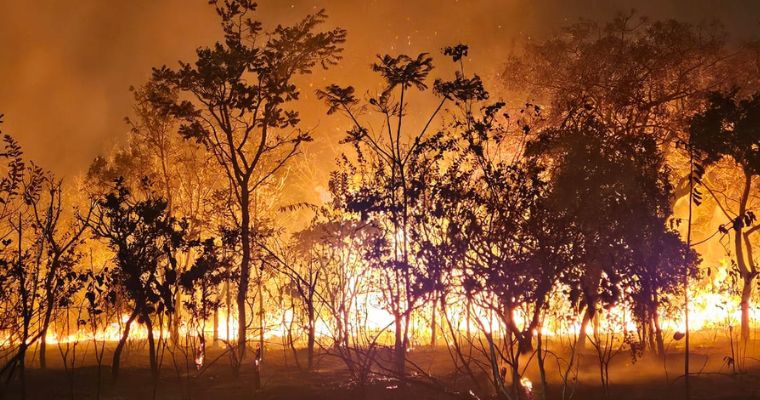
x: 63, y: 239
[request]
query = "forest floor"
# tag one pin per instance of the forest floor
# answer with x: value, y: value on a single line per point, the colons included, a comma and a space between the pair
x: 649, y: 377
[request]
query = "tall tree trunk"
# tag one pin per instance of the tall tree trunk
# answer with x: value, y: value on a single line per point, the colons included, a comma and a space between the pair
x: 151, y: 346
x: 256, y: 377
x: 588, y: 315
x: 262, y: 315
x: 216, y: 325
x: 647, y: 334
x: 120, y: 346
x: 26, y: 314
x: 748, y: 280
x: 541, y: 358
x: 433, y: 319
x: 745, y: 271
x: 228, y: 309
x: 469, y: 319
x: 43, y: 332
x: 687, y: 338
x: 658, y: 335
x: 49, y: 305
x: 311, y: 339
x: 245, y: 271
x: 399, y: 356
x: 176, y: 316
x: 22, y: 368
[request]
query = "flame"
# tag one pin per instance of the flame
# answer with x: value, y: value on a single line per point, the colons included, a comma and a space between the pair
x: 526, y: 384
x: 712, y: 306
x: 111, y: 333
x: 200, y: 354
x: 228, y: 326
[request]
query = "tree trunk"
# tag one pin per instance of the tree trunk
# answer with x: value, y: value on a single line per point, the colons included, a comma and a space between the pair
x: 745, y: 305
x: 340, y: 339
x: 469, y: 318
x: 22, y: 367
x: 256, y: 377
x: 647, y: 334
x: 399, y: 356
x: 262, y: 315
x: 43, y: 337
x: 151, y: 346
x: 433, y: 320
x: 245, y: 237
x: 120, y: 346
x: 311, y: 338
x: 588, y: 314
x: 541, y: 358
x: 658, y: 335
x: 746, y: 273
x: 216, y: 325
x: 49, y: 303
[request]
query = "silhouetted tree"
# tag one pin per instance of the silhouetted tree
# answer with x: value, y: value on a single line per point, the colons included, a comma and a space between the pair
x: 728, y: 131
x: 659, y: 261
x: 22, y: 269
x: 604, y: 185
x: 202, y: 283
x: 100, y: 293
x: 393, y: 163
x: 63, y: 239
x: 509, y: 267
x: 634, y: 75
x: 235, y: 100
x: 310, y: 257
x: 176, y: 164
x: 144, y: 240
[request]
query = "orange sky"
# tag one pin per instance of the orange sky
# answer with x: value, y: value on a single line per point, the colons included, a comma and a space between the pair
x: 66, y: 65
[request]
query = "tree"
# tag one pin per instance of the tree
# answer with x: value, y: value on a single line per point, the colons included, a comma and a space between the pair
x: 516, y: 253
x: 311, y: 255
x: 22, y: 269
x: 201, y: 282
x: 234, y: 99
x: 179, y: 167
x: 393, y: 164
x: 634, y: 75
x: 613, y: 190
x: 660, y: 260
x: 144, y: 240
x: 727, y: 131
x: 63, y: 239
x: 584, y: 182
x: 100, y: 292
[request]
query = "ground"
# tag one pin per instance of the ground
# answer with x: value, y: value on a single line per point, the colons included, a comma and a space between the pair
x: 647, y: 378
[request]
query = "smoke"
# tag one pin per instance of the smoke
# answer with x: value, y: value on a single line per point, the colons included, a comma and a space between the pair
x: 66, y: 66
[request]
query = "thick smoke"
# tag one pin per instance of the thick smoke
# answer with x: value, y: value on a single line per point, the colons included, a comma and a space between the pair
x: 66, y: 66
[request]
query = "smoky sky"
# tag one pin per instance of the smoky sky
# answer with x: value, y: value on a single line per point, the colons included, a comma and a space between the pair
x: 66, y: 66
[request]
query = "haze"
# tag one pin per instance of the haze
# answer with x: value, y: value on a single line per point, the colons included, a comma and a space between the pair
x: 67, y: 66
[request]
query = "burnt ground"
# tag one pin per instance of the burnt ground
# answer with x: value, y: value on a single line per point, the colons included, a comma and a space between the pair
x: 646, y: 378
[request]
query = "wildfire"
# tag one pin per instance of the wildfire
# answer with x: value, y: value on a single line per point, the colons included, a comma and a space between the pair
x: 112, y: 333
x: 526, y: 384
x: 711, y: 306
x: 228, y: 326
